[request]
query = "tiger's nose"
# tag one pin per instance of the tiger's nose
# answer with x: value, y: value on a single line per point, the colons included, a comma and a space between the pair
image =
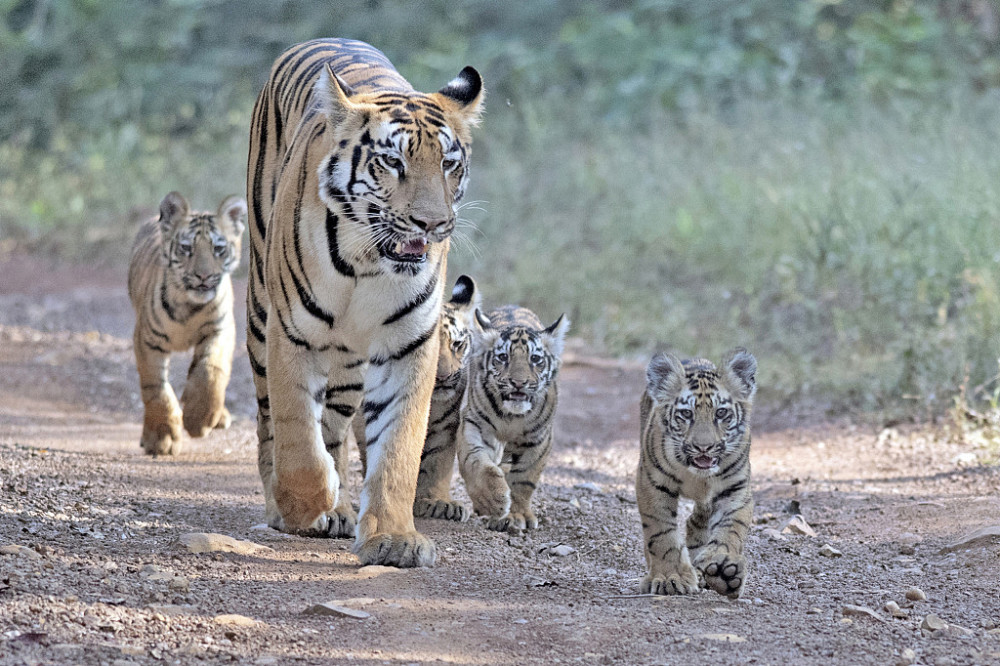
x: 429, y: 224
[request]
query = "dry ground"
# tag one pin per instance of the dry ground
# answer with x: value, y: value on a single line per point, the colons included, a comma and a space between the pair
x: 103, y: 579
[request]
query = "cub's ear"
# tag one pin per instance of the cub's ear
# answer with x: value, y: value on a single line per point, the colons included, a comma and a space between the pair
x: 466, y: 94
x: 554, y: 336
x: 483, y: 322
x: 334, y: 96
x: 173, y: 209
x: 465, y: 295
x: 232, y: 216
x: 484, y: 335
x: 740, y: 371
x: 664, y: 377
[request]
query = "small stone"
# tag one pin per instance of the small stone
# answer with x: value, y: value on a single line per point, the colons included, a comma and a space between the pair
x: 520, y: 621
x: 207, y: 542
x: 893, y: 609
x: 592, y: 487
x: 983, y: 537
x: 180, y: 584
x: 797, y: 525
x: 562, y: 550
x: 21, y: 551
x: 234, y: 620
x: 915, y: 594
x: 814, y: 611
x: 373, y: 570
x: 170, y: 609
x: 725, y: 638
x: 906, y: 657
x: 860, y: 611
x: 907, y: 549
x: 932, y: 623
x: 773, y: 534
x: 332, y: 609
x: 829, y: 551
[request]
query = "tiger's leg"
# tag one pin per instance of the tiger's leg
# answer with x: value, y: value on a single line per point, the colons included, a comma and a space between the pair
x: 721, y: 560
x: 342, y: 400
x: 395, y: 427
x: 527, y: 461
x: 204, y: 397
x: 479, y: 456
x: 161, y: 423
x: 304, y: 480
x: 670, y: 570
x: 697, y: 528
x: 437, y: 462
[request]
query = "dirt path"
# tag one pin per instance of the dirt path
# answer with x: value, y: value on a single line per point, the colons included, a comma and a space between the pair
x: 102, y: 577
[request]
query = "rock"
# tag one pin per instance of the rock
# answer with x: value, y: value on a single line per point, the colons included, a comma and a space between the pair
x: 207, y: 542
x: 180, y: 584
x: 907, y: 549
x: 234, y: 620
x: 893, y: 609
x: 915, y: 594
x: 592, y: 487
x: 725, y: 638
x: 774, y: 534
x: 373, y: 570
x: 21, y: 551
x: 932, y: 623
x: 520, y: 621
x: 829, y: 551
x: 797, y: 525
x: 170, y: 609
x: 331, y: 609
x: 562, y: 550
x: 984, y: 536
x: 860, y: 611
x: 906, y: 657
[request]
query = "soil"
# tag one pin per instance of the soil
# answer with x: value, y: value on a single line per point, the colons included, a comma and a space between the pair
x: 102, y: 577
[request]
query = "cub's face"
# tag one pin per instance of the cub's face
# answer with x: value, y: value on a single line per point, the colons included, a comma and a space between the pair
x: 703, y: 410
x: 521, y: 363
x: 200, y: 248
x: 399, y: 163
x: 456, y: 336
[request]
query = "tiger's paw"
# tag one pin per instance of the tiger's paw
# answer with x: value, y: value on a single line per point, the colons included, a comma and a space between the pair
x: 199, y: 422
x: 409, y: 549
x: 162, y: 439
x: 490, y: 494
x: 722, y: 572
x: 514, y: 522
x: 426, y: 507
x: 680, y: 580
x: 341, y: 522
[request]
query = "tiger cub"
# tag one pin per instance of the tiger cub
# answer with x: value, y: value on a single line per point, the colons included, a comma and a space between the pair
x: 695, y: 423
x: 506, y: 431
x: 179, y: 285
x: 433, y: 499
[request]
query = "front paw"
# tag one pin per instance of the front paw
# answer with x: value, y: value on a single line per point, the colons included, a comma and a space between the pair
x: 722, y: 572
x: 161, y: 439
x: 490, y: 494
x: 682, y: 579
x: 409, y: 549
x: 442, y: 509
x: 514, y: 522
x: 199, y: 422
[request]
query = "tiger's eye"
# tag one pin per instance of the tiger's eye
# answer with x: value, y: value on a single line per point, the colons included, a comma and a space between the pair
x: 448, y: 164
x: 722, y: 413
x: 685, y: 413
x: 392, y: 161
x: 501, y: 357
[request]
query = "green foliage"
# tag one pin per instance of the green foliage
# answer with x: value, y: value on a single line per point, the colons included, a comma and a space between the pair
x: 810, y: 178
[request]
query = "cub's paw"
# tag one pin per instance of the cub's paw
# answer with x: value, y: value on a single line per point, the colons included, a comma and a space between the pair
x: 426, y: 507
x: 682, y: 580
x: 513, y: 522
x: 723, y: 573
x: 199, y: 422
x: 161, y: 440
x: 409, y: 549
x: 341, y: 522
x: 490, y: 494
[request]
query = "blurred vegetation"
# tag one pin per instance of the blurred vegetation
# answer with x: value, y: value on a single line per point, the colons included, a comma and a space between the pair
x: 814, y: 179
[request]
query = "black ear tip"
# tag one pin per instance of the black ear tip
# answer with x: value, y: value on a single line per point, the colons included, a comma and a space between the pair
x: 483, y: 320
x: 465, y: 87
x: 463, y: 290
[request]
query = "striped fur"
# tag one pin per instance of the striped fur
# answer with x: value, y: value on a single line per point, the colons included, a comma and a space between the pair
x: 178, y: 281
x: 506, y: 431
x: 353, y: 180
x: 695, y: 422
x: 433, y: 499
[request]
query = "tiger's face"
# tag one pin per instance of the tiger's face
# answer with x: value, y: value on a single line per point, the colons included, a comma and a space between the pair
x: 703, y: 410
x: 456, y: 336
x: 521, y: 362
x: 399, y: 163
x: 200, y: 248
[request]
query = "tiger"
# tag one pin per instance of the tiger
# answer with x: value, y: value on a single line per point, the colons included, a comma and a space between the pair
x: 695, y: 427
x: 180, y: 287
x: 506, y: 432
x: 353, y: 180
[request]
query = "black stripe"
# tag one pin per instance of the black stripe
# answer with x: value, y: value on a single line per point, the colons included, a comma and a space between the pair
x: 419, y: 300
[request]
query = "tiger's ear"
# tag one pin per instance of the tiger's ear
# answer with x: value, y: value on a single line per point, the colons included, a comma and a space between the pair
x: 173, y: 209
x: 334, y: 96
x: 465, y: 95
x: 484, y: 335
x: 232, y: 216
x: 664, y: 377
x: 740, y: 372
x: 464, y: 295
x: 554, y: 336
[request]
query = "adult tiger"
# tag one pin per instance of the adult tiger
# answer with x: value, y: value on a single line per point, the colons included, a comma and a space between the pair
x: 695, y: 424
x: 353, y: 179
x: 179, y: 285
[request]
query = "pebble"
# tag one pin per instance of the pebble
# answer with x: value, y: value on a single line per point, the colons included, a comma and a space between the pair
x: 774, y: 534
x: 906, y: 657
x: 829, y: 551
x: 170, y: 609
x: 562, y: 550
x: 373, y: 570
x: 592, y: 487
x: 232, y: 619
x: 915, y: 594
x: 860, y: 611
x: 725, y: 638
x: 180, y: 584
x: 933, y: 623
x: 894, y: 610
x: 332, y: 609
x: 983, y: 537
x: 798, y: 525
x: 207, y: 542
x: 22, y: 551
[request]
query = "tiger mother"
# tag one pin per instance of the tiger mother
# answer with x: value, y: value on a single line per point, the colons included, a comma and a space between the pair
x: 353, y: 179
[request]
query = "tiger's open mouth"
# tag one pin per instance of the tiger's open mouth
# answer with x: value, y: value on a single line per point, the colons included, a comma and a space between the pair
x: 412, y: 251
x: 705, y: 462
x: 518, y: 396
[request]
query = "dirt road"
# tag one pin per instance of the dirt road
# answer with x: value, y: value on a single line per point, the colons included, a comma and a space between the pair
x: 93, y: 570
